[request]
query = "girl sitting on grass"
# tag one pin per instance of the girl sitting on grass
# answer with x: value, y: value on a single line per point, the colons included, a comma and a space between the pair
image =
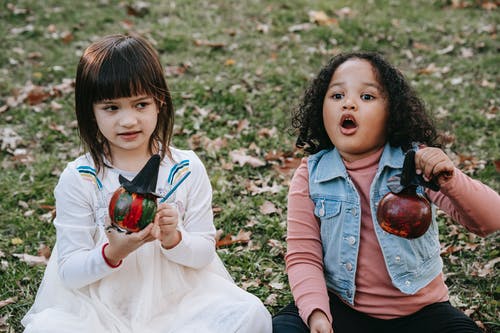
x: 166, y: 277
x: 357, y: 120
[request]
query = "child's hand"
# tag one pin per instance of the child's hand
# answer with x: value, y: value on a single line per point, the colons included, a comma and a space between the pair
x: 318, y: 322
x: 433, y: 162
x: 165, y: 225
x: 122, y: 244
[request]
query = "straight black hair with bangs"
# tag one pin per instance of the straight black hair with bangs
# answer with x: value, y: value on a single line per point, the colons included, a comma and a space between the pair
x: 119, y: 66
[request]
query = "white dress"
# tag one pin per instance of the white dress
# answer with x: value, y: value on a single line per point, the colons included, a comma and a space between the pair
x: 185, y: 289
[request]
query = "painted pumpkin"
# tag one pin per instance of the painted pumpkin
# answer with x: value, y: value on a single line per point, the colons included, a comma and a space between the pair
x: 132, y: 211
x: 404, y: 214
x: 133, y: 205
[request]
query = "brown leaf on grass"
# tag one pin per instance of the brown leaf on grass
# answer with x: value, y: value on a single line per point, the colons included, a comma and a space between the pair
x: 9, y: 138
x: 216, y: 210
x: 421, y: 46
x: 247, y: 284
x: 470, y: 164
x: 449, y: 249
x: 300, y: 27
x: 276, y: 285
x: 288, y: 162
x: 58, y: 128
x: 214, y: 45
x: 271, y: 300
x: 242, y: 124
x: 321, y: 18
x: 487, y: 269
x: 268, y: 208
x: 176, y: 70
x: 37, y: 95
x: 288, y: 165
x: 8, y: 301
x: 67, y: 37
x: 267, y: 132
x: 241, y: 237
x: 240, y: 156
x: 44, y: 251
x: 30, y: 259
x: 254, y: 189
x: 138, y: 9
x: 497, y: 165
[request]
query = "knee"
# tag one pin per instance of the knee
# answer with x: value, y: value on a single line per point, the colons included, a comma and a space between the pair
x: 287, y: 323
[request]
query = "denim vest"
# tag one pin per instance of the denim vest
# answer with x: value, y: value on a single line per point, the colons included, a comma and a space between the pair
x: 411, y: 263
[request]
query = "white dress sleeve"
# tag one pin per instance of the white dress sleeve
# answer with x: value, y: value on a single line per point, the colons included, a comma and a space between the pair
x: 197, y: 247
x: 79, y: 241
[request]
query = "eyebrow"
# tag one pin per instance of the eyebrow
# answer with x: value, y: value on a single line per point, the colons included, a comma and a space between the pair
x: 111, y: 101
x: 369, y: 84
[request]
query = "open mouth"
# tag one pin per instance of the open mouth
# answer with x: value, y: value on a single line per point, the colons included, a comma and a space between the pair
x: 348, y: 122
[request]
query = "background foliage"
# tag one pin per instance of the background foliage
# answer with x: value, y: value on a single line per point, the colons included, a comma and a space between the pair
x: 236, y: 69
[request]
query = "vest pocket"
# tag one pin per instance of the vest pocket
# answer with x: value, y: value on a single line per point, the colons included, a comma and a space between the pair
x: 325, y: 209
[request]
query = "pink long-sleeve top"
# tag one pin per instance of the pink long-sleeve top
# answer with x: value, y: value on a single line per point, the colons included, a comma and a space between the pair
x: 467, y: 201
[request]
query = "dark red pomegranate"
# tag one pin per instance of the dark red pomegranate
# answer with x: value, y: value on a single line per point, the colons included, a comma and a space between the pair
x: 404, y: 212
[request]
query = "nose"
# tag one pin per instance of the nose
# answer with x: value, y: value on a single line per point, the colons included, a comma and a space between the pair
x: 127, y: 118
x: 349, y: 104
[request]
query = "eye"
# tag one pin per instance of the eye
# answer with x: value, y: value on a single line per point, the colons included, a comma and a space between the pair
x: 367, y: 97
x: 337, y: 96
x: 143, y: 104
x: 110, y: 108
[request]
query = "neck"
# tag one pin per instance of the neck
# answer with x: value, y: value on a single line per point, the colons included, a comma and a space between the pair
x: 132, y: 162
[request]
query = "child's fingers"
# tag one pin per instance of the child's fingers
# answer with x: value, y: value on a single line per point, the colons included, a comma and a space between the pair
x: 144, y: 233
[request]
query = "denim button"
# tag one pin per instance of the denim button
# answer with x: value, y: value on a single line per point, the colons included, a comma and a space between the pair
x: 398, y: 259
x: 348, y: 266
x: 407, y: 283
x: 353, y: 212
x: 351, y: 240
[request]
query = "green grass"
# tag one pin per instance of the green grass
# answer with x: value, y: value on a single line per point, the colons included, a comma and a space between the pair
x: 257, y: 75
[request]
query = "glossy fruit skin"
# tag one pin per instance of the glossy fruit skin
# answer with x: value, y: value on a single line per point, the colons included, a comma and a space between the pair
x: 406, y: 214
x: 132, y: 211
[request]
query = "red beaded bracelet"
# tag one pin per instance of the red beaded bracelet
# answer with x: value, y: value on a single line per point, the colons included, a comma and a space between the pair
x: 106, y: 259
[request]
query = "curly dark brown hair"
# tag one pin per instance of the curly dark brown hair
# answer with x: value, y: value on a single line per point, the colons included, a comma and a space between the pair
x: 408, y: 120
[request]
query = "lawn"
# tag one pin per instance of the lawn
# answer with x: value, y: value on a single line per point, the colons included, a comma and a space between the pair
x: 236, y: 70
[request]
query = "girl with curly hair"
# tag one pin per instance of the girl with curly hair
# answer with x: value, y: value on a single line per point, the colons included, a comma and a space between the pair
x: 360, y: 121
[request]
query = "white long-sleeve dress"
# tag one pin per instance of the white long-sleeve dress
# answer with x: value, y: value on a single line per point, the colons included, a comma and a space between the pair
x: 184, y: 289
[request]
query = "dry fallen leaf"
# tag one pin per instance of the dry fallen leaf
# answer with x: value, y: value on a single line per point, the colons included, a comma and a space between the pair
x: 30, y: 259
x: 268, y: 208
x: 241, y: 157
x: 271, y: 300
x: 241, y: 237
x: 489, y: 268
x: 8, y: 301
x: 321, y: 18
x: 215, y: 45
x: 254, y: 189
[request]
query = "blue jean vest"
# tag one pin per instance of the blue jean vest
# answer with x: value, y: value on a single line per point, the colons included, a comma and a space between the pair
x: 411, y: 263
